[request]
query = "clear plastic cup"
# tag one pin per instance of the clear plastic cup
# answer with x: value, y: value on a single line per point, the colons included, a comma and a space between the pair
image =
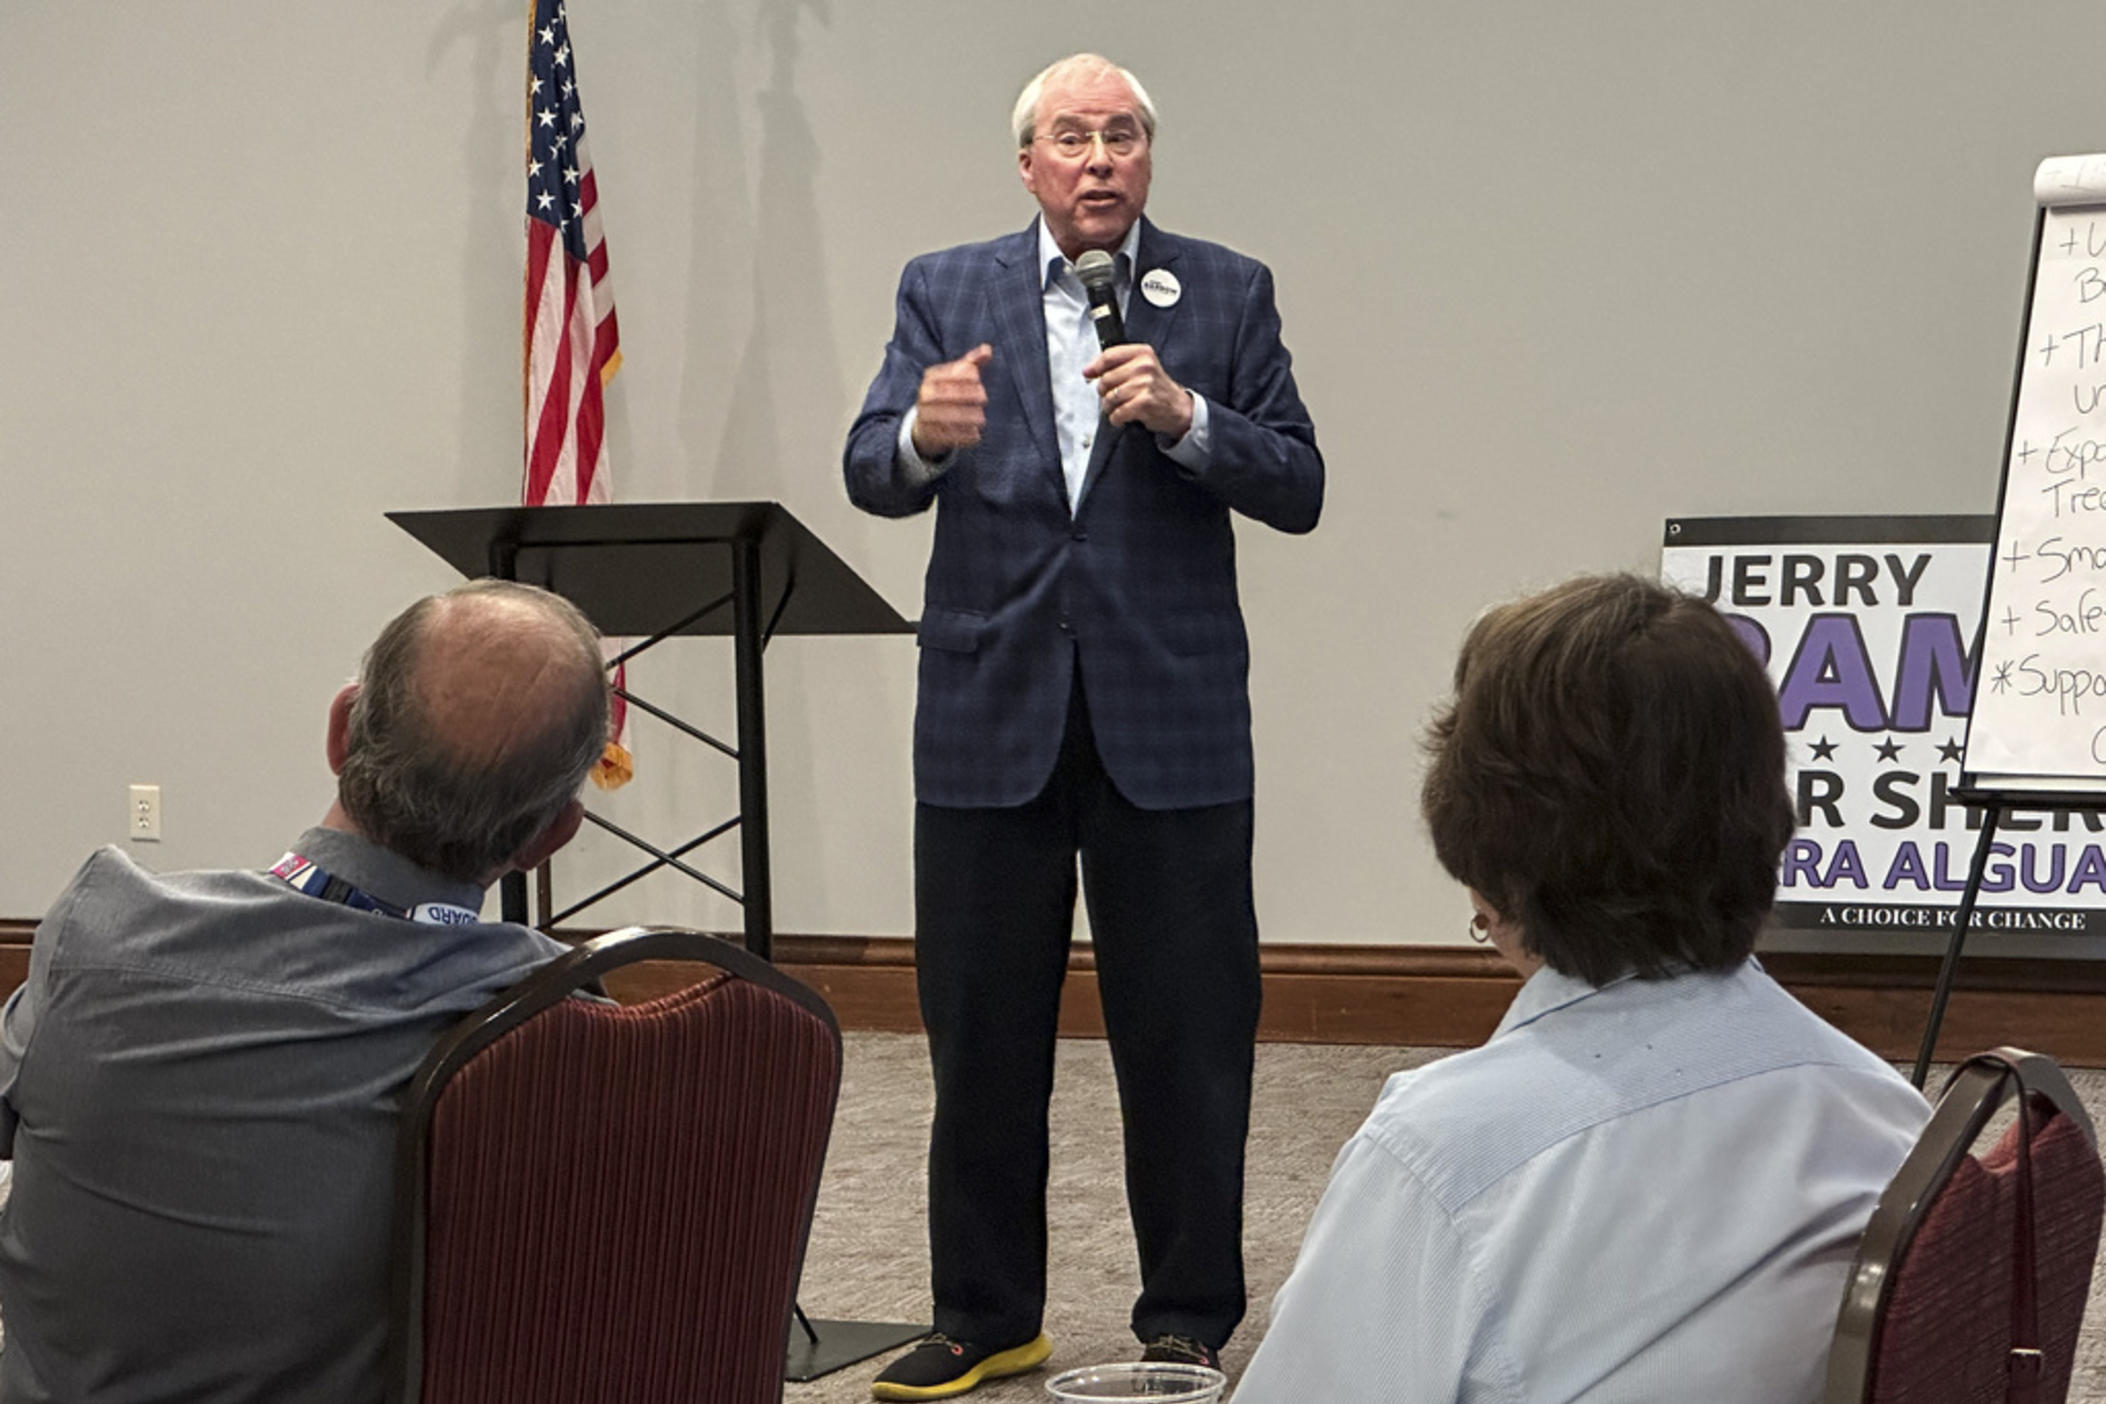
x: 1158, y: 1382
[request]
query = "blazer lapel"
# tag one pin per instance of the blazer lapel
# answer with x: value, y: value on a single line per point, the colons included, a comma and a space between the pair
x: 1018, y: 301
x: 1144, y: 322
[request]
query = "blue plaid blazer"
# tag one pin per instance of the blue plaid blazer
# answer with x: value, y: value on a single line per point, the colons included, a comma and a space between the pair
x: 1139, y: 586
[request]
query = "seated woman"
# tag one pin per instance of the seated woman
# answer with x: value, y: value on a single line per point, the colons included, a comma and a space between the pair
x: 1649, y: 1185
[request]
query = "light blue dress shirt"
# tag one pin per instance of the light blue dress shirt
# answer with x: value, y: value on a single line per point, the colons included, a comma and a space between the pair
x: 1071, y: 344
x: 1647, y: 1193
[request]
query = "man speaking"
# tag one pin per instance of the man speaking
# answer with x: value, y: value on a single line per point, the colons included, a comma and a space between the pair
x: 1083, y: 690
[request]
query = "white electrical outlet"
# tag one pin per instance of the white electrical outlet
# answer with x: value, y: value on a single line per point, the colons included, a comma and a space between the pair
x: 145, y: 821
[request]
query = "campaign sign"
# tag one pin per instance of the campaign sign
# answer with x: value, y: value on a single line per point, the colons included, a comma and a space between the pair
x: 1868, y: 627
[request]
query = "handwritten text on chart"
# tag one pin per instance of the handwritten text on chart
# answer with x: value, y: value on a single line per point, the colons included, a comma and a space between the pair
x: 2042, y: 704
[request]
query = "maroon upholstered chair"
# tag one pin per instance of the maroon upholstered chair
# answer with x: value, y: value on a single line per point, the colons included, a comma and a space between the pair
x: 597, y: 1202
x: 1970, y: 1283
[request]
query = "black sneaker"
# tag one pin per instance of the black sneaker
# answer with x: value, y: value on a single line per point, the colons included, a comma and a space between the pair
x: 940, y: 1367
x: 1180, y: 1350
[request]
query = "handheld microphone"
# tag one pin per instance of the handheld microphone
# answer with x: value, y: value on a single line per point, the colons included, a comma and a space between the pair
x: 1097, y: 272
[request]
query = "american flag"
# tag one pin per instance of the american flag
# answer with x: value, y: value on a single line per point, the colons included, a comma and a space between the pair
x: 573, y: 346
x: 572, y: 343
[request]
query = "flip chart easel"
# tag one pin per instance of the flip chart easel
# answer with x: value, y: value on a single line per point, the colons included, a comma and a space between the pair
x: 2036, y: 738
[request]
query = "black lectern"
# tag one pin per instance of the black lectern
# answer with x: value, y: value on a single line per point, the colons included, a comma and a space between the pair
x: 656, y: 570
x: 653, y: 571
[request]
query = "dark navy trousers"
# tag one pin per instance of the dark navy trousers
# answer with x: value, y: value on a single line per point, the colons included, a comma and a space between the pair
x: 1176, y: 943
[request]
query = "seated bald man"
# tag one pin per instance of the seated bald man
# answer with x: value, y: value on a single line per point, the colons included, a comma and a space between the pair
x: 199, y: 1082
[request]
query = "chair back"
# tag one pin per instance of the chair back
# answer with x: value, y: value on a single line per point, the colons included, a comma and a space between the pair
x: 1970, y: 1283
x: 599, y: 1202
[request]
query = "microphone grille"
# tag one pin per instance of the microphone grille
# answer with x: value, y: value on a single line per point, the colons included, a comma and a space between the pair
x: 1096, y: 269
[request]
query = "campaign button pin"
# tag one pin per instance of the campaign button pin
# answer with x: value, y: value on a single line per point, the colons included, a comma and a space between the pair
x: 1160, y: 287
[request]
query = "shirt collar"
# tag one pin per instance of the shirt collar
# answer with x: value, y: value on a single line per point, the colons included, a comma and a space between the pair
x: 382, y: 873
x: 1546, y: 992
x: 1058, y: 269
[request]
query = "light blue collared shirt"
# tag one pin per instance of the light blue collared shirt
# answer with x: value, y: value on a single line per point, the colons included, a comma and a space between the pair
x: 1071, y: 344
x: 1647, y: 1193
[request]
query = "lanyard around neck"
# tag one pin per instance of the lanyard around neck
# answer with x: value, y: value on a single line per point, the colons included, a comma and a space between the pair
x: 305, y: 875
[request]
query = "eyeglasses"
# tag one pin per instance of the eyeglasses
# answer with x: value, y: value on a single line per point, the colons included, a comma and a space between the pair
x: 1073, y: 145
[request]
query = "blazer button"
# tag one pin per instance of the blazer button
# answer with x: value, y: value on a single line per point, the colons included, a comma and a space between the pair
x: 1080, y: 535
x: 1065, y: 626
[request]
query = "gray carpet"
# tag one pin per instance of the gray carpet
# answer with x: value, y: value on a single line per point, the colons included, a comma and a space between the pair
x: 869, y: 1255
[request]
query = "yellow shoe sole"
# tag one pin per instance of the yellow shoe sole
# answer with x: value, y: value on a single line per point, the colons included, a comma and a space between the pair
x: 1014, y: 1361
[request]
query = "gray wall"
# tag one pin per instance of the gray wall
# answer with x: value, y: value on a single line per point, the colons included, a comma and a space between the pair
x: 1552, y: 272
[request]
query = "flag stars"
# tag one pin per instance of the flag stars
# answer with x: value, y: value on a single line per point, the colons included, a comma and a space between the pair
x: 556, y: 159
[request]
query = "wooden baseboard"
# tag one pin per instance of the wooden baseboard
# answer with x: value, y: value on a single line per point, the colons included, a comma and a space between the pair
x: 1448, y: 997
x: 14, y: 953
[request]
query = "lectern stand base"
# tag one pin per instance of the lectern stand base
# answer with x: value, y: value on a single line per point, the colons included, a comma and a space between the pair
x: 842, y: 1343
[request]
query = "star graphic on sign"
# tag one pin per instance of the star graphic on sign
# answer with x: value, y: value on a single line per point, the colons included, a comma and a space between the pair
x: 1951, y: 750
x: 2001, y: 682
x: 1824, y: 749
x: 1888, y: 749
x: 545, y: 118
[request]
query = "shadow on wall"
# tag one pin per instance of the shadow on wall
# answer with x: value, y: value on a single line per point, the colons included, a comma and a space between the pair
x: 782, y: 425
x: 781, y: 434
x: 493, y: 252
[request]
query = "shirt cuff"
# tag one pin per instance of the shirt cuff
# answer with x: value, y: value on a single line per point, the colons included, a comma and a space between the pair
x: 920, y: 471
x: 1196, y: 447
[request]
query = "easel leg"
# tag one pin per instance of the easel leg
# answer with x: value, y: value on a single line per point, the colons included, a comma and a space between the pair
x: 1959, y: 938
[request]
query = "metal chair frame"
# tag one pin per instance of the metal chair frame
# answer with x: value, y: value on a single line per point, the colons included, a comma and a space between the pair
x: 1974, y: 1093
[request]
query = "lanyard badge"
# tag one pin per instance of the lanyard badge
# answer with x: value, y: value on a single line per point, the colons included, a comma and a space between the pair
x: 305, y: 875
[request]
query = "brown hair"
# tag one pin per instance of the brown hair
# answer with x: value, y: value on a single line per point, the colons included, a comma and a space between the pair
x: 1610, y: 776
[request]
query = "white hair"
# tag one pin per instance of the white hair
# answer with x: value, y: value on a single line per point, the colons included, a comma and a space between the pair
x: 1023, y: 120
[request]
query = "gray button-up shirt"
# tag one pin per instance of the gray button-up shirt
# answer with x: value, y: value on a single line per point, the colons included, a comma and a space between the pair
x: 199, y: 1084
